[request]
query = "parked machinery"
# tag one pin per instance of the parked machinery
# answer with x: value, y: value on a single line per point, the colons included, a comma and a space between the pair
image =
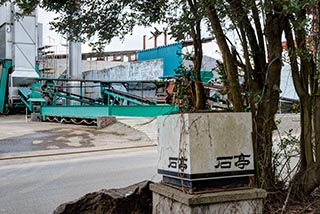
x: 56, y: 97
x: 23, y: 89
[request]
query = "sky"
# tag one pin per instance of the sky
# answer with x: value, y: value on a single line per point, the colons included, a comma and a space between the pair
x: 131, y: 42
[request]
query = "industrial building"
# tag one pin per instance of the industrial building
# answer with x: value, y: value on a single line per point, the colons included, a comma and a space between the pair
x: 80, y: 86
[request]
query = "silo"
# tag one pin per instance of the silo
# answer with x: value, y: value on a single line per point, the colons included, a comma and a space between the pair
x: 18, y: 47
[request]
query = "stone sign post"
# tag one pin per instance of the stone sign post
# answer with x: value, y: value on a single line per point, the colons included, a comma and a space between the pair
x: 205, y: 153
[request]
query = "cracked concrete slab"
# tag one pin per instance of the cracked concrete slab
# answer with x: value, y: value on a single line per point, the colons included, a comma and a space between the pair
x: 20, y: 135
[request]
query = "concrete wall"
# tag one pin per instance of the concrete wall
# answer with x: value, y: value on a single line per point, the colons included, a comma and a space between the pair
x: 288, y: 129
x: 129, y: 71
x: 58, y: 66
x: 144, y: 70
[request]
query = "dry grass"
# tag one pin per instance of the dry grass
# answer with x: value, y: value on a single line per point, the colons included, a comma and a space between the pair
x: 275, y: 202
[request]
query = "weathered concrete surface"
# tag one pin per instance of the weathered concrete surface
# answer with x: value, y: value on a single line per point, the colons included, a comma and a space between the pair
x: 145, y: 125
x: 144, y: 70
x: 202, y: 143
x: 19, y: 135
x: 136, y: 198
x: 141, y: 70
x: 287, y: 122
x: 168, y: 200
x: 60, y: 65
x: 288, y: 128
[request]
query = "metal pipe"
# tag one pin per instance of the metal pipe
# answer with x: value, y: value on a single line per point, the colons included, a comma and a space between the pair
x: 144, y: 42
x: 165, y: 38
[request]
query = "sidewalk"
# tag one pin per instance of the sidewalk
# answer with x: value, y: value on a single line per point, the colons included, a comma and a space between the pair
x: 147, y: 125
x: 20, y: 138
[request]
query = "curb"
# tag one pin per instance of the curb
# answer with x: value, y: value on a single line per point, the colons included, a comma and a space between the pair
x: 22, y: 155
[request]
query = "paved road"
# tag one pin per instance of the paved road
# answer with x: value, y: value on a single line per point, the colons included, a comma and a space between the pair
x: 39, y: 185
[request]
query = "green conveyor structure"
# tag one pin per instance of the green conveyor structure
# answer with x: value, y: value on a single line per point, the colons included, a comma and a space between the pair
x: 88, y: 108
x: 45, y: 98
x: 31, y: 98
x: 131, y: 98
x: 91, y: 112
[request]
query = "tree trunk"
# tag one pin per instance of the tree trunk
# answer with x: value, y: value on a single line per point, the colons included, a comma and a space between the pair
x: 307, y: 179
x: 266, y: 125
x: 269, y: 103
x: 306, y: 157
x: 200, y: 102
x: 199, y: 89
x: 270, y: 86
x: 228, y: 62
x: 316, y: 107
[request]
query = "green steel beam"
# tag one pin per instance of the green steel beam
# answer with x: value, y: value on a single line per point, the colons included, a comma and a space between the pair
x: 96, y: 111
x: 75, y: 111
x: 109, y: 93
x: 143, y: 111
x: 26, y: 103
x: 30, y: 102
x: 58, y: 95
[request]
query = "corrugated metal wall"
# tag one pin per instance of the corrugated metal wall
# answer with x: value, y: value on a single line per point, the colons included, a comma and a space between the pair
x: 171, y: 55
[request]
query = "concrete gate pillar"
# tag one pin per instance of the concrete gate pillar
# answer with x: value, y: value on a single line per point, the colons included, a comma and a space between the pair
x: 207, y: 165
x: 169, y: 200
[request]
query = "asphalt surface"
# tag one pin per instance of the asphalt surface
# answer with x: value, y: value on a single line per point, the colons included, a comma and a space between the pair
x: 45, y: 164
x: 20, y: 137
x: 39, y: 185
